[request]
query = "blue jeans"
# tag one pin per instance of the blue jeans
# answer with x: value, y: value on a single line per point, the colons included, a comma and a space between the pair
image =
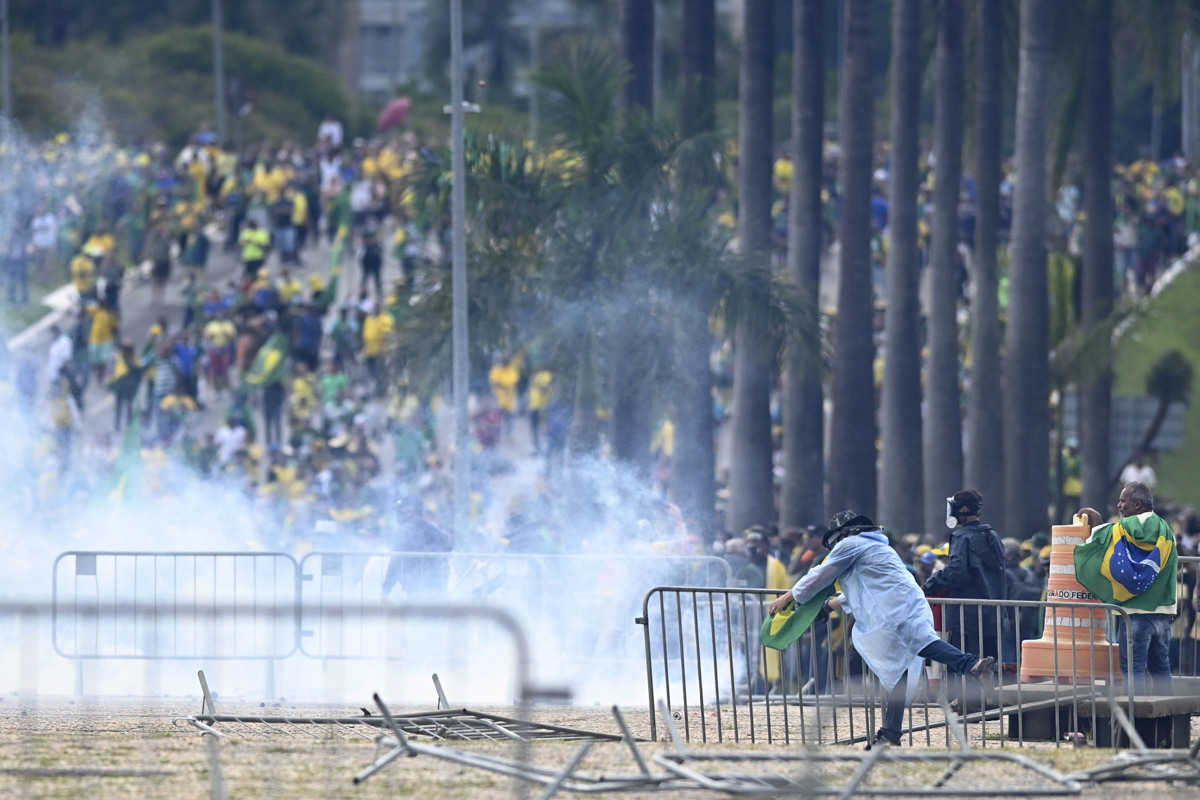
x: 955, y: 660
x: 1150, y: 647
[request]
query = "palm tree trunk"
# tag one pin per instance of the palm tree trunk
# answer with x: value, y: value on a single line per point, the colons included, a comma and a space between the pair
x: 1095, y: 393
x: 852, y: 475
x: 698, y: 66
x: 693, y: 469
x: 985, y: 439
x: 900, y: 410
x: 628, y: 350
x: 943, y: 433
x: 1026, y: 371
x: 637, y: 50
x: 751, y: 482
x: 803, y: 494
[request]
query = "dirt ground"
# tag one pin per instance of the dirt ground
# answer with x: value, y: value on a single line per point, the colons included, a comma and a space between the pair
x: 134, y: 748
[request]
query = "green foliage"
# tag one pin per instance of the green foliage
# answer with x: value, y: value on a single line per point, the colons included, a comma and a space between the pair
x: 1170, y: 379
x: 160, y: 86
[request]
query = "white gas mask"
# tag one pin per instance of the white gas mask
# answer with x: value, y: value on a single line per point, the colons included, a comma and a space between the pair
x: 951, y: 520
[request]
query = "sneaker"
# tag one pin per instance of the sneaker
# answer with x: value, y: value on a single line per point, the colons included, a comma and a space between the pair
x: 984, y: 667
x: 882, y: 739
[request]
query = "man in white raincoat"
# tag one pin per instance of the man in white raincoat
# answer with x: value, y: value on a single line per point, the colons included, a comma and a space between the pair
x: 893, y: 625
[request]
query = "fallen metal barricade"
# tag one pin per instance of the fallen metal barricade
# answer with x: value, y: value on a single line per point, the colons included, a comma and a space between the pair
x: 522, y: 770
x: 884, y: 770
x: 173, y: 605
x: 525, y: 692
x: 443, y: 725
x: 704, y: 658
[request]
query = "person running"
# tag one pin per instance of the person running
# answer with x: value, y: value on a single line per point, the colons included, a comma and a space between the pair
x: 893, y: 630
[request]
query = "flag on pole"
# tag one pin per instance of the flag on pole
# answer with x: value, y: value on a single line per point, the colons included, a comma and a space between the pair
x: 1130, y: 562
x: 270, y: 364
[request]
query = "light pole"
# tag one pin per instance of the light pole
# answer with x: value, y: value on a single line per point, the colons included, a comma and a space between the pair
x: 6, y: 106
x: 218, y: 70
x: 458, y: 274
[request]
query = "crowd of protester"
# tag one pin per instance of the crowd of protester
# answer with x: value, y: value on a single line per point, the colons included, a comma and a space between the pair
x: 276, y: 382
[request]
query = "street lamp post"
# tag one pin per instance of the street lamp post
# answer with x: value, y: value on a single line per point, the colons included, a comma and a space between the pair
x: 6, y: 106
x: 218, y: 70
x: 458, y: 253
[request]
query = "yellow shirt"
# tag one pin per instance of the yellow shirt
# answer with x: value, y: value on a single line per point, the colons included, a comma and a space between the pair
x: 375, y: 331
x: 220, y: 332
x: 503, y: 378
x: 540, y: 387
x: 254, y: 242
x: 289, y: 289
x: 104, y: 325
x: 299, y: 209
x: 83, y: 273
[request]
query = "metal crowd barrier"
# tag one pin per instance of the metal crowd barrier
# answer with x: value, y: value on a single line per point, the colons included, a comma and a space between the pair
x: 703, y: 657
x: 161, y: 606
x: 332, y: 601
x: 1185, y: 641
x: 337, y: 588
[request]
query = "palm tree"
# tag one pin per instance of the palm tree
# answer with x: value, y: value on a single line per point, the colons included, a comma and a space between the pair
x: 852, y: 476
x: 943, y: 434
x: 802, y: 500
x: 985, y: 450
x: 900, y: 410
x: 1095, y: 385
x: 751, y: 491
x: 1026, y: 373
x: 694, y: 466
x: 630, y: 351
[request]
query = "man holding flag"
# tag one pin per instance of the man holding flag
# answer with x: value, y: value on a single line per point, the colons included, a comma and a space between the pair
x: 1132, y: 563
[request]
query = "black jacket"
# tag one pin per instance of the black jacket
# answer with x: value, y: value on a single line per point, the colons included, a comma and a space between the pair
x: 975, y: 569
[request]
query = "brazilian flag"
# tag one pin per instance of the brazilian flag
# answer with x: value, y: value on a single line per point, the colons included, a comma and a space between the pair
x: 329, y: 294
x: 270, y: 364
x: 127, y: 470
x: 778, y: 631
x: 1130, y: 562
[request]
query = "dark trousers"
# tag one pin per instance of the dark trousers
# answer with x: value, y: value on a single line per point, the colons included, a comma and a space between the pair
x: 955, y: 660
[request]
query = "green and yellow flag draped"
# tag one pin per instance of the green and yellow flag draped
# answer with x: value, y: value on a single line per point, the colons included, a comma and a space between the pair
x: 1130, y: 562
x: 270, y: 364
x: 127, y: 469
x: 780, y: 630
x: 328, y: 294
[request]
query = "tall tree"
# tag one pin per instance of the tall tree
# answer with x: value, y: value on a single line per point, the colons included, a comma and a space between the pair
x: 694, y: 465
x: 852, y: 475
x: 900, y: 411
x: 803, y: 496
x: 637, y: 50
x: 1026, y: 365
x: 943, y: 433
x: 751, y: 481
x: 1095, y: 384
x: 985, y: 440
x: 629, y: 358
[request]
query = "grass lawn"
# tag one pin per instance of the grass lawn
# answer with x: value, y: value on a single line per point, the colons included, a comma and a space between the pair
x: 14, y: 319
x: 1171, y: 323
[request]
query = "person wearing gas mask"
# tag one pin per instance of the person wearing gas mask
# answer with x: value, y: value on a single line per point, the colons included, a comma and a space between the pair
x: 974, y: 569
x: 893, y: 624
